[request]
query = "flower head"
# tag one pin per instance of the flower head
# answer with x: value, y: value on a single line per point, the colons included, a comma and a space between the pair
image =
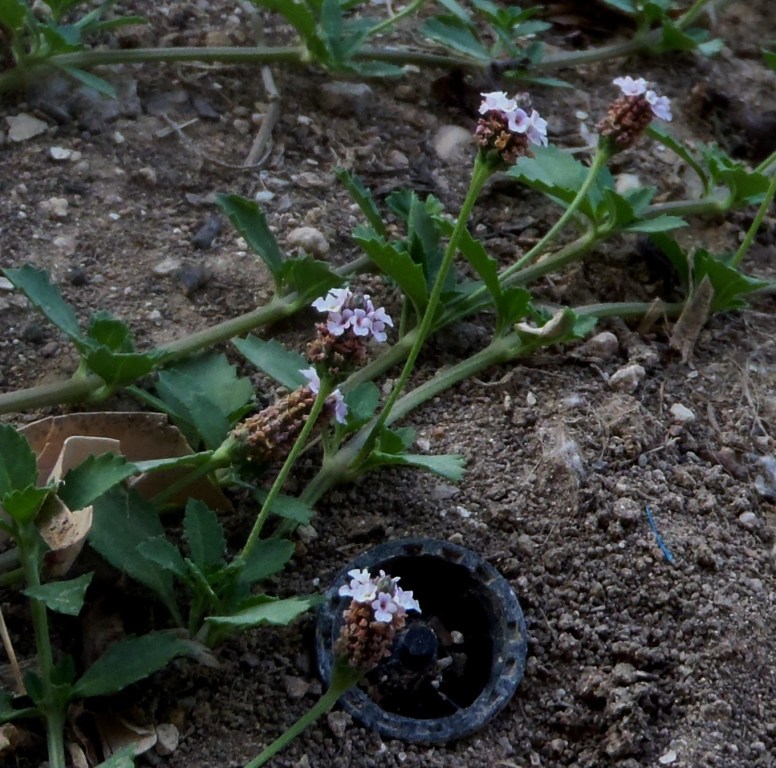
x: 377, y: 611
x: 506, y: 130
x: 631, y: 113
x: 351, y: 320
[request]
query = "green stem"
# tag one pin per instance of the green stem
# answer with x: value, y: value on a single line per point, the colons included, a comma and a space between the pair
x: 50, y: 708
x: 751, y: 233
x: 765, y: 165
x: 342, y: 680
x: 600, y: 159
x: 309, y: 425
x: 210, y: 462
x: 480, y: 174
x: 79, y: 387
x: 392, y: 20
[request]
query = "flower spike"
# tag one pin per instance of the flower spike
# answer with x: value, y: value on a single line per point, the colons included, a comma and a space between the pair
x: 631, y: 113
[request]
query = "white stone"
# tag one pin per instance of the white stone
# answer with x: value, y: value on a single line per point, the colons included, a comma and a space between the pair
x: 338, y: 722
x: 451, y: 142
x: 55, y: 207
x: 5, y: 284
x: 627, y: 379
x: 627, y: 510
x: 60, y: 153
x: 23, y: 126
x: 668, y: 758
x: 681, y: 414
x: 309, y: 239
x: 747, y: 520
x: 602, y: 346
x: 65, y: 243
x: 166, y: 267
x: 167, y: 738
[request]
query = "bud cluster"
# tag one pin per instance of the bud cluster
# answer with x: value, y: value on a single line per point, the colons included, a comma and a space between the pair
x: 506, y: 129
x: 632, y: 112
x: 377, y: 611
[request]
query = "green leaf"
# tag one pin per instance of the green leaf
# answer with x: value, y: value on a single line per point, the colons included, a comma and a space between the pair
x: 309, y: 277
x: 267, y: 610
x: 267, y: 558
x: 128, y: 661
x: 93, y: 477
x: 24, y: 504
x: 675, y: 255
x: 398, y: 265
x: 13, y: 14
x: 87, y: 78
x: 558, y: 175
x: 62, y: 596
x: 46, y: 298
x: 456, y: 9
x: 275, y: 359
x: 770, y: 58
x: 119, y: 369
x: 110, y: 332
x: 204, y: 535
x: 662, y: 223
x: 162, y: 552
x: 362, y: 402
x: 8, y: 711
x: 288, y: 507
x: 656, y: 131
x: 626, y: 6
x: 18, y: 466
x: 730, y: 285
x: 363, y: 198
x: 122, y: 522
x: 124, y: 758
x: 205, y: 394
x: 451, y: 467
x: 452, y: 32
x: 250, y: 222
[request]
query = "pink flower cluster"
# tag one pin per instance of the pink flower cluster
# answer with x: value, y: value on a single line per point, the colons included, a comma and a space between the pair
x: 335, y: 400
x: 350, y: 312
x: 661, y: 106
x: 533, y: 126
x: 383, y: 593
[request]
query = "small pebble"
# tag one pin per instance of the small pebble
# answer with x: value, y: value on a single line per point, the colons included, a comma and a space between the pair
x: 208, y: 232
x: 60, y: 153
x: 167, y: 738
x: 296, y: 687
x: 602, y: 346
x: 747, y: 520
x: 309, y: 239
x: 55, y: 207
x: 627, y: 379
x: 338, y: 722
x: 339, y: 97
x: 22, y: 127
x: 627, y: 510
x: 681, y: 414
x: 166, y: 267
x: 451, y: 142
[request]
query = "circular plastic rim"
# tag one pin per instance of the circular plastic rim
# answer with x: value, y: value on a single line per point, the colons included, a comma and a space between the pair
x: 509, y: 644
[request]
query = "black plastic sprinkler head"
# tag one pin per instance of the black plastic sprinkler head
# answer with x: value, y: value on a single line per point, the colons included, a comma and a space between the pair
x: 455, y: 665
